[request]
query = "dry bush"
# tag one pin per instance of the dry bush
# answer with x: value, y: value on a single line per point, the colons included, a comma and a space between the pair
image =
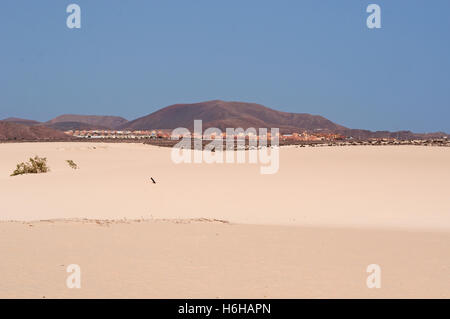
x: 33, y: 166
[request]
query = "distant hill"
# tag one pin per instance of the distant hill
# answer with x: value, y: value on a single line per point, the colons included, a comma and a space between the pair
x: 21, y: 121
x: 215, y: 113
x: 222, y: 115
x: 66, y: 126
x: 17, y: 132
x: 95, y: 121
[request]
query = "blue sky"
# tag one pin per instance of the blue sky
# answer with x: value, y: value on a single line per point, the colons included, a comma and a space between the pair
x: 131, y: 58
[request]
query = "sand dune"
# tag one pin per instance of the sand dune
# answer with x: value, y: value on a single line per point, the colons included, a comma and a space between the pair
x: 216, y: 260
x: 308, y: 231
x: 404, y: 187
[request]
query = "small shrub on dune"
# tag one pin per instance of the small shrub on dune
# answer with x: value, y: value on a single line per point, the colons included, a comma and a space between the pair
x: 35, y: 165
x: 72, y: 164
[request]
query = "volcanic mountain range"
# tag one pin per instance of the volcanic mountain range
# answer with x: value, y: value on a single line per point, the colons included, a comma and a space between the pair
x: 215, y: 113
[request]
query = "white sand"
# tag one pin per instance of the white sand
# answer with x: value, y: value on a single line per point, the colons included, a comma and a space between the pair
x: 210, y: 260
x: 308, y: 231
x: 403, y: 187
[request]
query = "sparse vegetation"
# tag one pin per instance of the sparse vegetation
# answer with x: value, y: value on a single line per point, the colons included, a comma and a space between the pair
x: 33, y: 166
x: 72, y: 164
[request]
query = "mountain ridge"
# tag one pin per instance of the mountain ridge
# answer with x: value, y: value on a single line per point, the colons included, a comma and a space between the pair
x: 214, y: 113
x: 14, y: 131
x: 21, y: 121
x: 221, y: 114
x: 101, y: 121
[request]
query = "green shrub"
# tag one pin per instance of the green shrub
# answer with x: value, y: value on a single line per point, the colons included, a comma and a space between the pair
x: 34, y: 166
x: 72, y: 164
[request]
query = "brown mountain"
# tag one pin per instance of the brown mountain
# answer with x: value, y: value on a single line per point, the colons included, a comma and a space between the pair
x: 66, y: 126
x: 222, y: 115
x: 14, y: 131
x: 95, y: 121
x: 21, y: 121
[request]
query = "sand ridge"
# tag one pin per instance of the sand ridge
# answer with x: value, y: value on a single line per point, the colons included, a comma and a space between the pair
x: 225, y: 231
x: 394, y: 186
x: 162, y: 259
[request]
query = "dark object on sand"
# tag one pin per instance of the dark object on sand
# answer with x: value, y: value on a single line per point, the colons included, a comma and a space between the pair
x: 153, y: 180
x: 72, y: 164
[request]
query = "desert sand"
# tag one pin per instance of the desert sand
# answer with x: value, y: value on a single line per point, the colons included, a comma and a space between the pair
x: 225, y: 230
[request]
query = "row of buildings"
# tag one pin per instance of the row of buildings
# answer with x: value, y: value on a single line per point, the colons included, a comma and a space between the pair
x: 292, y: 138
x: 166, y: 134
x: 114, y: 134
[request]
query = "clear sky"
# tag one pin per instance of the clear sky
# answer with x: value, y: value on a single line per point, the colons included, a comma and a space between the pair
x: 131, y: 58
